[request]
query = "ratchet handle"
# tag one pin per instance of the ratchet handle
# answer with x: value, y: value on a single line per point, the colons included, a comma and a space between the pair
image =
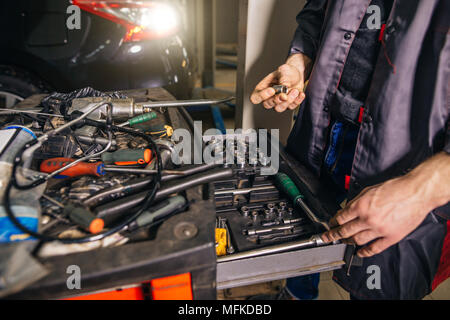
x: 128, y: 157
x: 80, y: 169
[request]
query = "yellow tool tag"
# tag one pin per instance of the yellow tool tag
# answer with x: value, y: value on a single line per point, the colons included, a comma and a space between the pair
x: 221, y: 242
x: 169, y: 131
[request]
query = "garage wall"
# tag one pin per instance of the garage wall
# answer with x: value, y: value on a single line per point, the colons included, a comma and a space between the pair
x: 227, y: 21
x: 266, y: 28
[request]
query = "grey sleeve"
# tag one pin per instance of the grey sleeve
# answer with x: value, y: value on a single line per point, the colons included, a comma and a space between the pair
x: 307, y: 35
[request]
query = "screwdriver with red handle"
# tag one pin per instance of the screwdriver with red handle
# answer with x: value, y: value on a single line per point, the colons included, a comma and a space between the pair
x: 80, y: 169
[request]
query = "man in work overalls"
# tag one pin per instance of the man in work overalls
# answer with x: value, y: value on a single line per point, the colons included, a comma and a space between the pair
x: 374, y: 122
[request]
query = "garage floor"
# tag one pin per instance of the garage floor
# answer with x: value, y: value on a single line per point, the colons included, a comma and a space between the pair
x: 328, y: 289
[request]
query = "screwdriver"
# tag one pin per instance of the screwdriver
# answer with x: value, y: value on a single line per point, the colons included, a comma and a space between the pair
x: 139, y: 119
x: 288, y: 186
x: 128, y: 157
x: 84, y: 218
x: 97, y: 169
x: 81, y: 169
x: 79, y: 215
x: 158, y: 212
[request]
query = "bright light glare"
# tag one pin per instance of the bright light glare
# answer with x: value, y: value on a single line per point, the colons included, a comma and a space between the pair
x: 160, y: 19
x: 135, y: 49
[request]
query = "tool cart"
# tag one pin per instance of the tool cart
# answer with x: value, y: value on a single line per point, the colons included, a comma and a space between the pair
x: 206, y: 227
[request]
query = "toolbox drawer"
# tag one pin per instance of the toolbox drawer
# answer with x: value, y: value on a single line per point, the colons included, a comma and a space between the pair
x: 288, y: 263
x: 279, y: 266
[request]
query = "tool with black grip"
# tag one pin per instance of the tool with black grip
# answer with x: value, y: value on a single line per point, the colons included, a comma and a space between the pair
x: 84, y: 218
x: 128, y: 157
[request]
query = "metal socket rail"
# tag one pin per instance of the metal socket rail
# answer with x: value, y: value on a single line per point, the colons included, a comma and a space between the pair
x: 186, y: 103
x: 315, y: 240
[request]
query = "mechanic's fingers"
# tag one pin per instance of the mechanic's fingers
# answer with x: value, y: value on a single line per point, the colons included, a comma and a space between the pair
x: 298, y: 101
x: 293, y: 95
x: 267, y: 82
x: 269, y: 103
x: 289, y: 98
x: 281, y: 107
x: 259, y: 96
x: 279, y: 98
x: 343, y: 232
x: 363, y: 237
x: 375, y: 248
x: 293, y: 106
x: 346, y: 215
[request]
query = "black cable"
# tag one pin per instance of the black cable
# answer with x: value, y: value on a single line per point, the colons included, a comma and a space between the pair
x: 146, y: 203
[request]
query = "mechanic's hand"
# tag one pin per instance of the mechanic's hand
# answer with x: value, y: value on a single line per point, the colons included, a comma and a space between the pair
x: 386, y: 213
x: 292, y: 75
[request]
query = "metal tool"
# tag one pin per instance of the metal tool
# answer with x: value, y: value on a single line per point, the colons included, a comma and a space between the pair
x: 121, y: 108
x: 294, y: 194
x: 280, y: 89
x: 18, y: 111
x: 142, y: 171
x: 230, y: 248
x: 315, y: 240
x: 243, y: 191
x: 96, y: 140
x: 256, y: 231
x: 185, y: 103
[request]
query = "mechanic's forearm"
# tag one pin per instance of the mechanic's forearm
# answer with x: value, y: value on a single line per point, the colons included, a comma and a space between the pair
x: 432, y: 181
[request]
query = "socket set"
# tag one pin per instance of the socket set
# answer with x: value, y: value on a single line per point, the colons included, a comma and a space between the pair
x: 258, y: 214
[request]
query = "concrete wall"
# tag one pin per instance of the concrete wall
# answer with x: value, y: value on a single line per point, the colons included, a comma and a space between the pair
x: 266, y: 28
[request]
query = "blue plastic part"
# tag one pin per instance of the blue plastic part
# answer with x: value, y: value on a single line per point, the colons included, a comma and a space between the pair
x: 101, y: 170
x: 22, y: 128
x: 10, y: 233
x: 218, y: 119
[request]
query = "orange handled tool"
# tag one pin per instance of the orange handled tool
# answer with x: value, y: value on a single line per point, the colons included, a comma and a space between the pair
x: 80, y: 169
x: 128, y: 157
x: 84, y: 218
